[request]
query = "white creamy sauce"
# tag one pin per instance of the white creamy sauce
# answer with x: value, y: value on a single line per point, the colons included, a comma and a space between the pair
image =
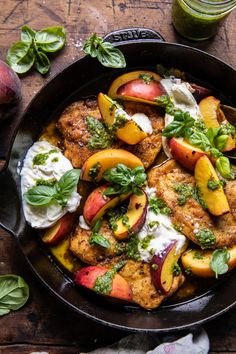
x: 140, y: 119
x: 162, y: 233
x: 54, y: 167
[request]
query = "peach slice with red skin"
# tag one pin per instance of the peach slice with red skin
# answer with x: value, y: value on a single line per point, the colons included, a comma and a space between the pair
x: 135, y: 215
x: 130, y: 133
x: 108, y: 159
x: 162, y: 266
x: 132, y: 87
x: 215, y: 200
x: 97, y: 204
x: 87, y: 277
x: 59, y: 230
x: 184, y: 153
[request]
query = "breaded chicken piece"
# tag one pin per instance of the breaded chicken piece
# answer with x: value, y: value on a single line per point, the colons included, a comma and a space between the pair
x: 191, y: 216
x: 92, y: 254
x: 73, y: 127
x: 138, y: 276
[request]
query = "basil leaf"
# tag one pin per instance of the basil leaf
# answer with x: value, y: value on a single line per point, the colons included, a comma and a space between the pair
x: 27, y: 34
x: 42, y: 62
x: 212, y: 134
x: 68, y: 182
x: 14, y: 293
x: 104, y: 51
x: 224, y: 168
x: 219, y: 261
x: 220, y: 141
x: 20, y: 57
x: 200, y: 140
x: 178, y: 127
x: 99, y: 240
x: 40, y: 195
x: 111, y: 57
x: 50, y: 39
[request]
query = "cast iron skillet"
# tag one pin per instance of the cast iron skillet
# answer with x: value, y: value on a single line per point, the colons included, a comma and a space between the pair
x: 143, y: 48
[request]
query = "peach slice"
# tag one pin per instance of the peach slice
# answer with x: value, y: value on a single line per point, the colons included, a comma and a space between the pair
x: 106, y: 159
x: 162, y: 266
x: 59, y: 230
x: 62, y: 253
x: 87, y: 277
x: 198, y: 261
x: 132, y: 87
x: 184, y: 153
x: 209, y: 108
x: 135, y: 216
x: 97, y: 204
x: 215, y: 200
x: 130, y: 133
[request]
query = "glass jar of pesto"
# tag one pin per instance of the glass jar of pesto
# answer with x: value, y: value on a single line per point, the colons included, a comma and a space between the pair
x: 198, y: 19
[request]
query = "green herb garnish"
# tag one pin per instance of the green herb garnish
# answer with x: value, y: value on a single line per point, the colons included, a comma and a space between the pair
x: 125, y: 180
x: 158, y: 206
x: 100, y: 136
x: 219, y: 260
x: 21, y: 56
x: 131, y: 248
x: 185, y: 192
x: 145, y: 242
x: 224, y: 168
x: 103, y: 284
x: 166, y: 102
x: 206, y: 238
x: 94, y: 171
x: 46, y: 182
x: 198, y: 255
x: 98, y: 239
x: 14, y: 293
x: 213, y: 185
x: 105, y: 52
x: 176, y: 269
x: 146, y: 78
x: 59, y: 193
x: 40, y: 159
x: 154, y: 266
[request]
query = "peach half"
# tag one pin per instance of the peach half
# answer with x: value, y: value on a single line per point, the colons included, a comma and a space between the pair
x: 130, y: 132
x: 133, y: 87
x: 107, y: 159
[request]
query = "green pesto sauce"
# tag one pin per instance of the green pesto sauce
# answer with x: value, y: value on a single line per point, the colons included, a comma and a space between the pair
x: 198, y: 255
x: 103, y: 284
x: 40, y: 159
x: 120, y: 121
x: 94, y: 171
x: 158, y: 206
x: 146, y: 241
x: 185, y: 192
x: 213, y: 185
x: 176, y: 269
x: 206, y: 238
x: 46, y: 182
x: 100, y: 136
x: 194, y: 20
x: 146, y: 78
x: 131, y: 248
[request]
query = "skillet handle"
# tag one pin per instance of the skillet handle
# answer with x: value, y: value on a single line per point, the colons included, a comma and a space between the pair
x: 137, y: 34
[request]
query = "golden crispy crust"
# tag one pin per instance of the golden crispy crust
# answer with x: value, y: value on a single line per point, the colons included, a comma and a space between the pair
x: 92, y: 254
x: 191, y: 216
x: 73, y: 127
x: 138, y: 276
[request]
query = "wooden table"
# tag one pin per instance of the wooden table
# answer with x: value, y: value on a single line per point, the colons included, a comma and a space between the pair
x: 44, y: 324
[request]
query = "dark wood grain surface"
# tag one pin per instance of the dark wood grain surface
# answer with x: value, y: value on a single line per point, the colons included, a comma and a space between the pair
x: 44, y: 324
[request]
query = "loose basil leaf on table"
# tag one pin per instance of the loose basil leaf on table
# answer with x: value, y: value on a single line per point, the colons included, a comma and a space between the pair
x: 20, y: 57
x: 14, y: 293
x: 42, y: 62
x: 106, y: 54
x: 50, y: 39
x: 219, y: 261
x: 27, y: 34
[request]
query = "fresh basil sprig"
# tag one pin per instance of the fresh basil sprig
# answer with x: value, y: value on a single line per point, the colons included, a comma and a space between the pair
x: 219, y: 261
x: 59, y: 193
x: 14, y: 293
x: 224, y: 168
x: 96, y: 238
x: 124, y: 179
x: 31, y: 50
x: 106, y: 54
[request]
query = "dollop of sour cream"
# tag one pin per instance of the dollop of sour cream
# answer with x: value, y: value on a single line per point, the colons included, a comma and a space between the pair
x: 54, y: 166
x: 161, y: 233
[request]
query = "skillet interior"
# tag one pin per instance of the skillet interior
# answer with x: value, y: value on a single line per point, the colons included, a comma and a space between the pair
x: 83, y: 78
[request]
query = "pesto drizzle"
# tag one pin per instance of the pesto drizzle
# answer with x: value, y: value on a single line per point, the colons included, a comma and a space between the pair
x: 206, y: 238
x: 103, y: 284
x: 100, y: 136
x: 40, y: 159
